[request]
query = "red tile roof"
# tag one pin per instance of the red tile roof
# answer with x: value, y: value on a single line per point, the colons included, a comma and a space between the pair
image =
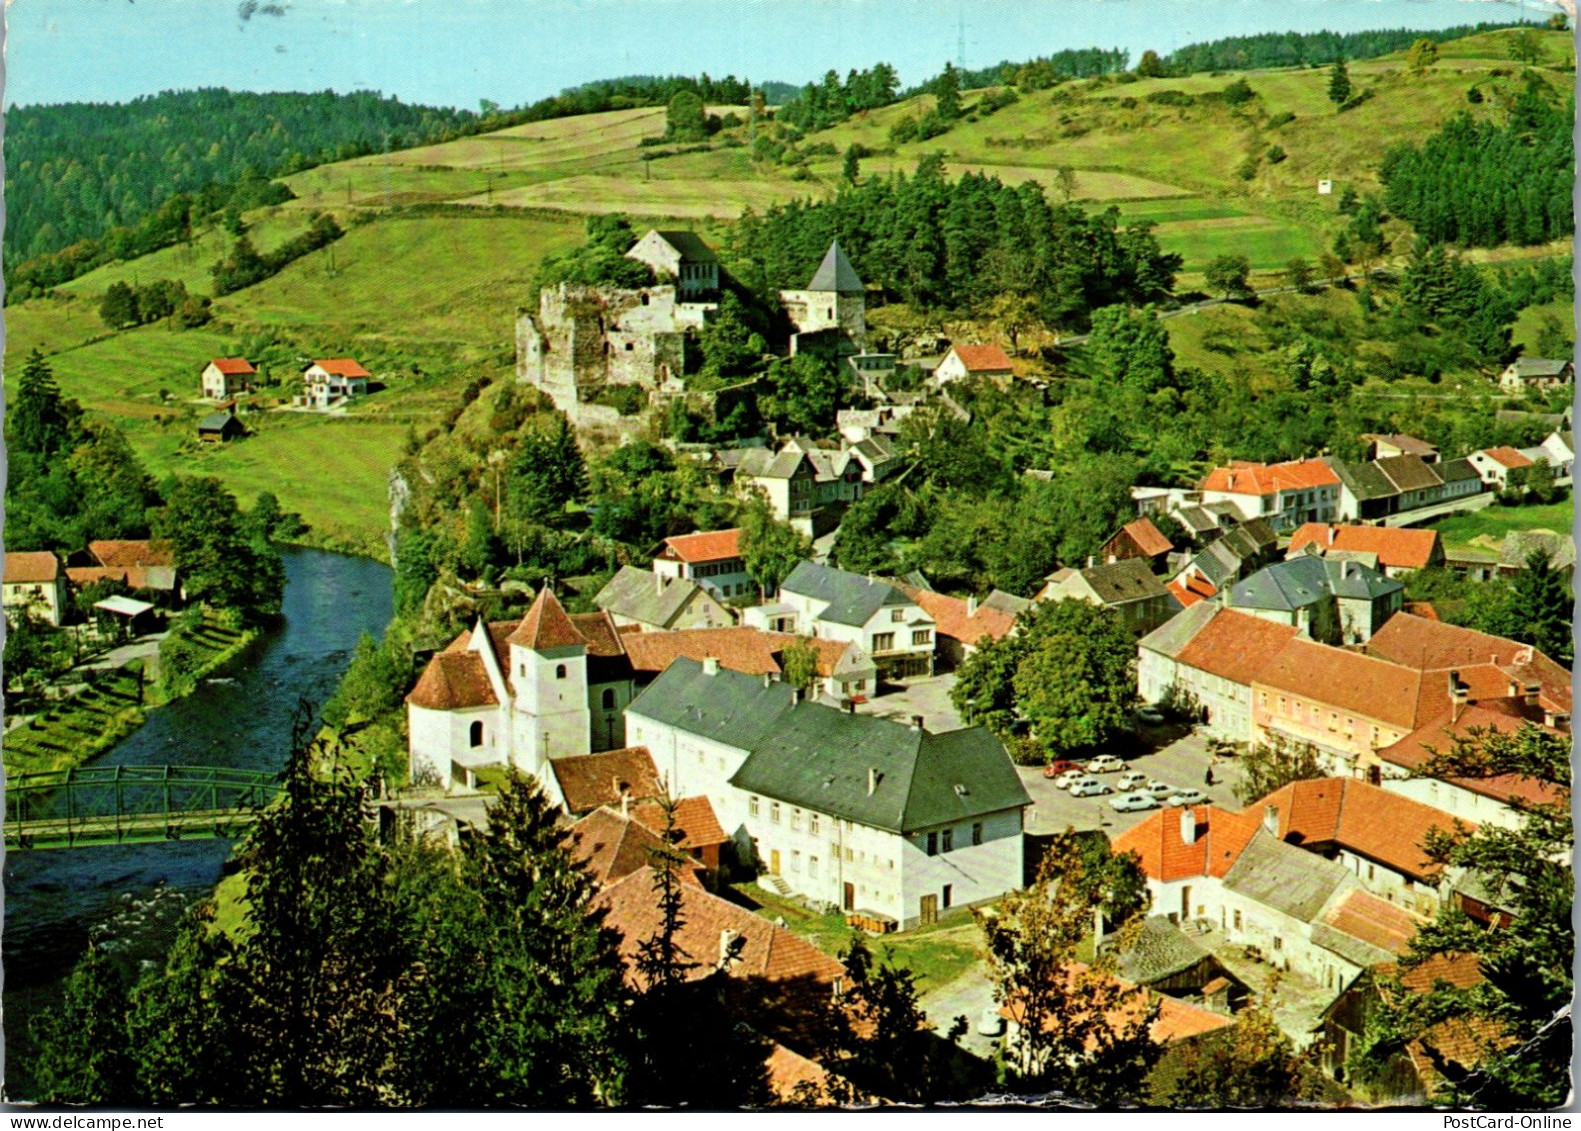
x: 590, y: 780
x: 454, y: 681
x: 134, y: 577
x: 1509, y: 457
x: 140, y: 552
x: 1395, y: 546
x: 233, y: 366
x: 1148, y: 538
x: 1349, y: 681
x: 28, y: 567
x: 1194, y: 589
x: 546, y: 626
x: 1372, y: 822
x: 710, y: 546
x: 791, y: 1074
x: 1165, y: 856
x: 1364, y: 916
x: 950, y: 617
x: 694, y: 817
x: 1236, y: 646
x: 743, y: 649
x: 1431, y: 645
x: 1503, y: 716
x: 341, y: 367
x: 610, y: 847
x: 983, y: 359
x: 599, y: 632
x: 1267, y: 479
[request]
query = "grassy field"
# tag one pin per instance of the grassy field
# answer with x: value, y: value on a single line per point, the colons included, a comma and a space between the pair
x: 1485, y: 529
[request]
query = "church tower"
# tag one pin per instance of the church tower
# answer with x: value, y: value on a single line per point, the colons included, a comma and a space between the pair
x: 835, y: 299
x: 549, y: 714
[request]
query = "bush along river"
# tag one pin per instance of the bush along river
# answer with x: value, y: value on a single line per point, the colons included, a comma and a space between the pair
x: 130, y: 898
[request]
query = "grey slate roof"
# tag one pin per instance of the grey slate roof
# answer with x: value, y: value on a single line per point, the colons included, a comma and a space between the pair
x: 1303, y: 580
x: 1408, y: 473
x: 1007, y: 603
x: 1519, y: 544
x: 1171, y: 637
x: 1197, y: 520
x: 728, y: 706
x: 690, y: 245
x: 215, y: 421
x: 1284, y: 877
x: 1219, y: 563
x: 764, y: 464
x: 1457, y: 470
x: 1363, y: 480
x: 1539, y: 366
x: 1160, y: 949
x: 835, y: 273
x: 636, y: 593
x: 853, y: 599
x: 1126, y: 580
x: 1349, y: 947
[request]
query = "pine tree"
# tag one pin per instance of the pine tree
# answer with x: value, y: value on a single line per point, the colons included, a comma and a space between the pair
x: 1339, y: 83
x: 40, y: 421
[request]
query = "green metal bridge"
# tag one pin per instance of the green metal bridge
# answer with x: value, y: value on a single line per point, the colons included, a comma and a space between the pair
x: 95, y: 805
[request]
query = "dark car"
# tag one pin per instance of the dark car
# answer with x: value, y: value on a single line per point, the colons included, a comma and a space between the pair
x: 1055, y: 769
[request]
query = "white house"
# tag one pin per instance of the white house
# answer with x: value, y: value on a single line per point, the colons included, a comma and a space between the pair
x: 712, y: 559
x: 333, y: 379
x: 880, y: 619
x: 806, y: 486
x: 965, y: 361
x: 682, y: 256
x: 1127, y: 586
x: 1286, y: 494
x: 854, y: 811
x: 657, y: 601
x: 1495, y: 464
x: 1540, y: 373
x: 35, y: 583
x: 224, y: 377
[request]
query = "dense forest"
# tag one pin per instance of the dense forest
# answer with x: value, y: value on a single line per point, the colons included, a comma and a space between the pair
x: 820, y: 105
x: 1480, y: 184
x: 1307, y: 49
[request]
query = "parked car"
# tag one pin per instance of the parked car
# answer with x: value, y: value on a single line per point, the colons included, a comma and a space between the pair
x: 1159, y: 789
x: 1055, y: 769
x: 1088, y: 787
x: 1132, y: 802
x: 1105, y: 764
x: 1150, y: 715
x: 1186, y: 797
x: 1131, y: 779
x: 1069, y: 778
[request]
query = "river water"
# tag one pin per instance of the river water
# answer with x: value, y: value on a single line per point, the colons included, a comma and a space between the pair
x: 131, y: 897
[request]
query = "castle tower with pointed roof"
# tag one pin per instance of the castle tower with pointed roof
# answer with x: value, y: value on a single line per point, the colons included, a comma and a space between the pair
x: 831, y: 314
x: 548, y: 658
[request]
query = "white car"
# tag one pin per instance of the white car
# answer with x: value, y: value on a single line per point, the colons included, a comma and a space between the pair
x: 1088, y: 787
x: 1186, y: 797
x: 1131, y: 779
x: 1069, y: 778
x: 1105, y: 764
x: 1133, y: 802
x: 1160, y: 789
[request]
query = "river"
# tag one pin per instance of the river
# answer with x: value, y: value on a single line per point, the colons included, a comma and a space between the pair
x: 132, y: 896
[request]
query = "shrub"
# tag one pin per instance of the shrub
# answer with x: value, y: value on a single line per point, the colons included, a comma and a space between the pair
x: 1275, y: 154
x: 1282, y: 118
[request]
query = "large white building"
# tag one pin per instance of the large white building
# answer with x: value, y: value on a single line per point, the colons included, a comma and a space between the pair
x: 862, y: 813
x: 833, y: 604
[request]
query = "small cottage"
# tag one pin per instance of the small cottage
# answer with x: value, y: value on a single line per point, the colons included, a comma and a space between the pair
x: 225, y: 377
x: 220, y: 427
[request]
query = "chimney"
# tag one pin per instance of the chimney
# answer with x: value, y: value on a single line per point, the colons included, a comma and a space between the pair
x: 1271, y: 819
x: 1089, y: 561
x: 1188, y: 824
x: 1532, y: 691
x: 625, y: 804
x: 711, y: 665
x: 872, y: 780
x: 916, y: 722
x: 768, y: 678
x: 1458, y: 692
x: 1332, y: 532
x: 971, y: 606
x: 658, y: 583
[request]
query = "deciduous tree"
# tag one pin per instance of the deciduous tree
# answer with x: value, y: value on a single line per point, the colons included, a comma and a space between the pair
x: 770, y: 549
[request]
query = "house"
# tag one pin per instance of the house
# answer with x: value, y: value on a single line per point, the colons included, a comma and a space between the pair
x: 711, y: 559
x: 1127, y: 586
x: 330, y: 381
x: 1398, y: 550
x: 881, y: 819
x: 220, y: 427
x: 1337, y: 602
x: 877, y: 617
x: 520, y: 694
x: 1206, y: 657
x: 1236, y: 549
x: 844, y: 670
x: 656, y: 602
x: 968, y: 361
x: 1285, y: 494
x: 1365, y: 492
x: 700, y: 832
x: 1495, y: 464
x: 139, y: 564
x: 1138, y: 538
x: 1502, y: 666
x: 806, y: 486
x: 960, y: 624
x: 830, y: 316
x: 878, y: 456
x: 870, y: 371
x: 683, y: 257
x: 1537, y: 373
x: 225, y: 377
x: 611, y: 777
x: 1386, y: 444
x: 856, y: 424
x: 1415, y: 483
x: 1164, y: 958
x: 34, y: 585
x: 1559, y: 447
x: 610, y: 845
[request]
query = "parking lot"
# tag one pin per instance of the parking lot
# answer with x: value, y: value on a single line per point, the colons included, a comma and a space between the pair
x: 1179, y: 759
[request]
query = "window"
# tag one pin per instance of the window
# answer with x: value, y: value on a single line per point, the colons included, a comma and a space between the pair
x: 609, y: 699
x: 948, y: 895
x: 897, y: 615
x: 977, y: 832
x: 812, y: 823
x: 812, y: 866
x: 949, y: 840
x: 1372, y: 873
x: 1237, y: 920
x: 774, y: 812
x: 848, y: 854
x: 559, y: 671
x: 796, y: 820
x: 859, y: 685
x: 933, y: 844
x: 1279, y: 943
x: 922, y: 636
x: 883, y: 641
x: 475, y: 734
x: 795, y: 861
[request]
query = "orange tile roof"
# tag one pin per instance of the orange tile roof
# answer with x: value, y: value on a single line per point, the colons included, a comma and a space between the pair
x: 709, y: 546
x: 694, y: 817
x: 1182, y: 594
x: 610, y: 847
x: 1165, y: 856
x: 1148, y: 538
x: 1395, y: 546
x: 1509, y: 457
x: 1433, y: 645
x: 791, y: 1074
x: 1269, y: 479
x: 546, y: 625
x: 233, y: 366
x: 1354, y: 683
x: 26, y: 567
x: 743, y: 649
x: 983, y: 359
x: 454, y: 681
x: 599, y: 632
x: 341, y: 367
x: 1236, y: 646
x: 1459, y: 1040
x: 134, y: 577
x: 1372, y: 822
x: 140, y: 552
x: 1460, y: 970
x: 590, y: 780
x: 1364, y: 916
x: 1423, y: 609
x: 1439, y: 734
x: 768, y: 952
x: 951, y: 619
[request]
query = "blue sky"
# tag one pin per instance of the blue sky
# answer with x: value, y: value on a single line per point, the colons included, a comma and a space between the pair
x: 455, y: 52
